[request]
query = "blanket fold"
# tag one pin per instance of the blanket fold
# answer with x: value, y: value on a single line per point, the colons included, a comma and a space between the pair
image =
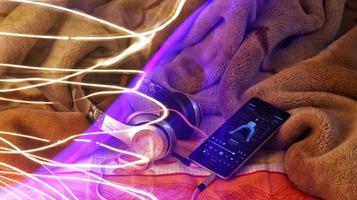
x: 229, y: 51
x: 228, y: 56
x: 57, y: 119
x: 321, y: 135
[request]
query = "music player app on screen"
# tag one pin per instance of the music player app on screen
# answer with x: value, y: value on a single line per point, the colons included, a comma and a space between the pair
x: 239, y: 138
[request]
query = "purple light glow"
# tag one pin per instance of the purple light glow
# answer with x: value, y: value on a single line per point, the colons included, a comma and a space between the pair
x: 117, y: 109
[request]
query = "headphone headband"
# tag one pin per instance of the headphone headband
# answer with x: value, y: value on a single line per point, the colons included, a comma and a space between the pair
x: 88, y: 107
x: 159, y: 138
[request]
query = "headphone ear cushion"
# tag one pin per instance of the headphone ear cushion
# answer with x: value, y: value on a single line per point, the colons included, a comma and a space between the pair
x: 137, y: 119
x: 184, y: 106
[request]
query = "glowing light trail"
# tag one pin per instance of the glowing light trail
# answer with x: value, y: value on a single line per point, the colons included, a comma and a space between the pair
x: 75, y: 167
x: 131, y: 34
x: 8, y: 191
x: 23, y: 184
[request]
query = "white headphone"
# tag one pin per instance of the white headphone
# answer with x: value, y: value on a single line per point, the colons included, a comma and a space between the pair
x: 153, y: 141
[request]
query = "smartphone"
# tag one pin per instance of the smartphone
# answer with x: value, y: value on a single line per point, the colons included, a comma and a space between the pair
x: 243, y: 134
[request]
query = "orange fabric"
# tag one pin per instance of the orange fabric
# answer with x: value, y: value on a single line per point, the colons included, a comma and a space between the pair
x: 45, y: 122
x: 261, y: 185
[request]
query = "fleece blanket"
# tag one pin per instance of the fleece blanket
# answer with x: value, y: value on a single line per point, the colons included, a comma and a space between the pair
x: 227, y: 57
x: 226, y: 48
x: 42, y: 120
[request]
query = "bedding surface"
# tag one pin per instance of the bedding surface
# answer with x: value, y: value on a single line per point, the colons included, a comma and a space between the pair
x: 222, y: 53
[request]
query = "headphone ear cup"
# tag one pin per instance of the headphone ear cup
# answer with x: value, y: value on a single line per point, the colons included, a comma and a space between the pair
x: 189, y: 109
x: 161, y: 129
x: 176, y: 101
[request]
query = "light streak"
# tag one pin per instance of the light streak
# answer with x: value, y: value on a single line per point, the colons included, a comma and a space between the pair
x: 108, y: 62
x: 49, y: 162
x: 143, y: 39
x: 141, y: 158
x: 131, y: 34
x: 33, y: 178
x: 14, y: 189
x: 8, y: 191
x: 23, y: 184
x: 61, y: 182
x: 126, y: 71
x: 66, y: 10
x: 80, y: 179
x: 62, y: 82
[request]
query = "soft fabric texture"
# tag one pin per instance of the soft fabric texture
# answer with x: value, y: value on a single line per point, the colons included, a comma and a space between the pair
x: 232, y: 45
x: 226, y: 55
x: 228, y: 47
x: 140, y: 16
x: 42, y: 120
x: 321, y: 95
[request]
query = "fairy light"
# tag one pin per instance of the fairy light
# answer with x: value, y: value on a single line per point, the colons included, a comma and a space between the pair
x: 143, y: 39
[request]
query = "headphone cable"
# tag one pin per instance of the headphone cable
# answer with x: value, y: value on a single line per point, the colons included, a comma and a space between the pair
x: 202, y: 186
x: 196, y: 129
x: 184, y: 160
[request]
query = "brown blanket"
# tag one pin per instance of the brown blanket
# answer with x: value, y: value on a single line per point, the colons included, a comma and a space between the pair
x: 226, y: 56
x: 321, y: 135
x: 42, y: 120
x: 245, y: 42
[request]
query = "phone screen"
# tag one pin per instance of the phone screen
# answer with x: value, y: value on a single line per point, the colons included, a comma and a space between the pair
x: 233, y: 143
